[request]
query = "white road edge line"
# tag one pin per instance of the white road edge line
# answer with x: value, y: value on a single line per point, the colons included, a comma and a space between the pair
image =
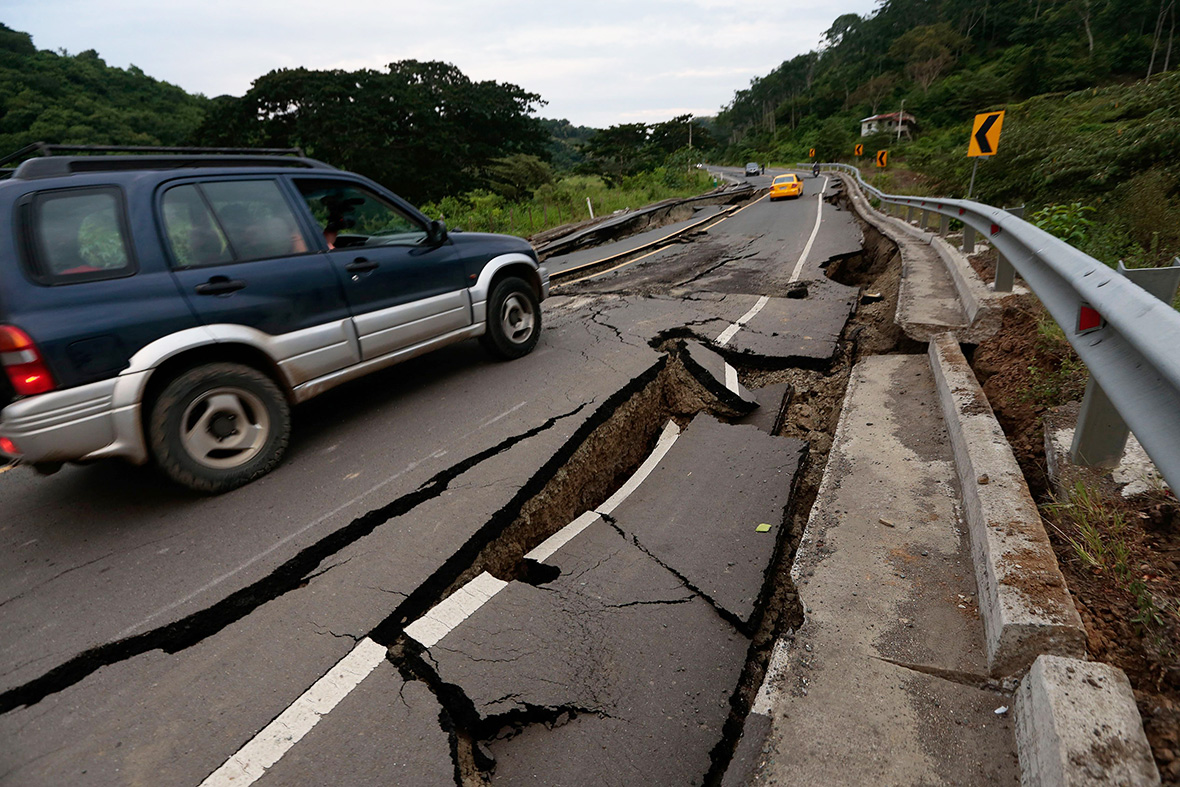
x: 731, y: 378
x: 667, y: 438
x: 266, y: 748
x: 546, y: 548
x: 447, y: 614
x: 819, y: 211
x: 732, y: 330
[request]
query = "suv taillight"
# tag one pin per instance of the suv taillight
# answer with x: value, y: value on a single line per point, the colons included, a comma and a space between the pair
x: 23, y: 363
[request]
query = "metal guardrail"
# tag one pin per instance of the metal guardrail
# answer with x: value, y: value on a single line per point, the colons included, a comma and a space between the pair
x: 1128, y: 337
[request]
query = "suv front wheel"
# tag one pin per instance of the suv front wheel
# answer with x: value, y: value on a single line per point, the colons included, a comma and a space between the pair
x: 219, y: 426
x: 514, y: 319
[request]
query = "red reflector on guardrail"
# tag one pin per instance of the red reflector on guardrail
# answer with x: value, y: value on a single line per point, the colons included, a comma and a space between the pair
x: 1088, y: 319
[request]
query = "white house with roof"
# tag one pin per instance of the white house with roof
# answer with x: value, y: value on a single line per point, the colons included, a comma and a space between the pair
x: 888, y: 122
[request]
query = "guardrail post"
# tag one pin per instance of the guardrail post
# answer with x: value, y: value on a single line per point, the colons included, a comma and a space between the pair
x: 923, y: 219
x: 909, y: 213
x: 1005, y: 273
x: 1101, y: 434
x: 944, y: 226
x: 968, y: 239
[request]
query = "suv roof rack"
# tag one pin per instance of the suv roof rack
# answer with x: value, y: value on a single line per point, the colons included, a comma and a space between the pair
x: 51, y: 163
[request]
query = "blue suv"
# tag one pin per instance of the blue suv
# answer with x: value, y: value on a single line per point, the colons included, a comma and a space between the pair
x: 171, y: 305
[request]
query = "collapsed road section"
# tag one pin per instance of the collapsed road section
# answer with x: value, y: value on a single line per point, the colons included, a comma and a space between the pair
x: 665, y: 601
x: 612, y: 649
x: 633, y: 644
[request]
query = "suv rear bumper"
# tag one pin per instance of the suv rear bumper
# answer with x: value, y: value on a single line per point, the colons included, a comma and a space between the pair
x: 75, y: 424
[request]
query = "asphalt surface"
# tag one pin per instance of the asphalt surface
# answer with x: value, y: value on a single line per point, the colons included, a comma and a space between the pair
x: 148, y: 634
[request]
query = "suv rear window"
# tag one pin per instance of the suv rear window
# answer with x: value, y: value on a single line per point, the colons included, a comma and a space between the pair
x: 78, y: 235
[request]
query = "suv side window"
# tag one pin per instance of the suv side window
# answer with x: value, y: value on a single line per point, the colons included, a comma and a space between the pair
x: 78, y: 235
x: 226, y: 221
x: 352, y: 215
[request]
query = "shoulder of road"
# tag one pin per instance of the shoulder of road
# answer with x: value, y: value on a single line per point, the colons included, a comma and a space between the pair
x: 940, y: 643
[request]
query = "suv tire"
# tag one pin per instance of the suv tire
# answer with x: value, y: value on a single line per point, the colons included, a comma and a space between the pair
x: 216, y: 427
x: 514, y: 319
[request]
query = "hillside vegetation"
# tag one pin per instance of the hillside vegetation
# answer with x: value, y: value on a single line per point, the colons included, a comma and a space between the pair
x: 1090, y: 88
x: 80, y: 100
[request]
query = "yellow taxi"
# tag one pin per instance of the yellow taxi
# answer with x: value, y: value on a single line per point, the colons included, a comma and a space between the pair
x: 786, y: 186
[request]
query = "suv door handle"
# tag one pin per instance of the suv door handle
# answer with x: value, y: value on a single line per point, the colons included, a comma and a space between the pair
x: 220, y: 285
x: 361, y: 265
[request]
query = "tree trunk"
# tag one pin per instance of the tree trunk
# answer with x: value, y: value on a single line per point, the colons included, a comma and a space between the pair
x: 1084, y: 11
x: 1171, y: 36
x: 1155, y: 38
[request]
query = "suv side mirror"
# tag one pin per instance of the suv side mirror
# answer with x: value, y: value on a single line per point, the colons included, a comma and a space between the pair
x: 436, y: 233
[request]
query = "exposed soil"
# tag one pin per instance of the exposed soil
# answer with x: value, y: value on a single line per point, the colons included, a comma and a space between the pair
x: 1024, y: 374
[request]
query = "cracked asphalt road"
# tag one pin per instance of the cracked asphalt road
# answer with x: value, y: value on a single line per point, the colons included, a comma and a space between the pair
x: 148, y: 634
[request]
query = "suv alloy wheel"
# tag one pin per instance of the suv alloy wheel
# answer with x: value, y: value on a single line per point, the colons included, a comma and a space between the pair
x: 219, y: 426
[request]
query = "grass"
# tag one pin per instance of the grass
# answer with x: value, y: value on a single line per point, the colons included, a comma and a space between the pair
x: 1058, y: 375
x: 1095, y: 531
x: 564, y: 201
x: 1098, y: 534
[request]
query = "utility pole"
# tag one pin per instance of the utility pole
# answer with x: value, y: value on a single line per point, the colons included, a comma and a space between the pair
x: 900, y: 115
x: 690, y: 132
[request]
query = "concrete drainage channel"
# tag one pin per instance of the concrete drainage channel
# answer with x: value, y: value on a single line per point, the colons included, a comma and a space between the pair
x: 800, y: 404
x: 1075, y: 721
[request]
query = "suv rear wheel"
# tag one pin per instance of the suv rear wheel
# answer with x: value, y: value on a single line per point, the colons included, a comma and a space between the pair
x: 219, y: 426
x: 514, y: 319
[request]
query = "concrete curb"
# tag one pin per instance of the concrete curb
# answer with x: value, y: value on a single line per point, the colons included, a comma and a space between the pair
x: 1077, y: 724
x: 981, y: 306
x: 1076, y: 721
x: 1025, y: 604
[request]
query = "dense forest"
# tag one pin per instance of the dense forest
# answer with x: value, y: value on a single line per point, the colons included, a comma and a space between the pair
x: 80, y: 100
x: 948, y: 59
x: 421, y: 125
x: 1091, y: 89
x: 424, y: 127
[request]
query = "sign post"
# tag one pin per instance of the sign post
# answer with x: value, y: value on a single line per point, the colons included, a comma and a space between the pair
x: 985, y: 138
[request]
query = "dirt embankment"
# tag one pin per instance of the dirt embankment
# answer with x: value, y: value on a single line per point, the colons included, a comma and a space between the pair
x: 1121, y: 557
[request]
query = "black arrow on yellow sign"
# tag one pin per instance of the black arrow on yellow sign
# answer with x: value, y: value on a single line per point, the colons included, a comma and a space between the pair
x: 812, y: 153
x: 985, y: 145
x: 985, y: 134
x: 882, y: 158
x: 859, y: 150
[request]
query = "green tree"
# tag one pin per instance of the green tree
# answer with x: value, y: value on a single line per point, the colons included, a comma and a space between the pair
x: 422, y: 128
x: 517, y: 176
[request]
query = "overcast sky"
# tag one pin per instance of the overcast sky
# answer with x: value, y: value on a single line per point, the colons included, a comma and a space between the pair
x: 595, y: 63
